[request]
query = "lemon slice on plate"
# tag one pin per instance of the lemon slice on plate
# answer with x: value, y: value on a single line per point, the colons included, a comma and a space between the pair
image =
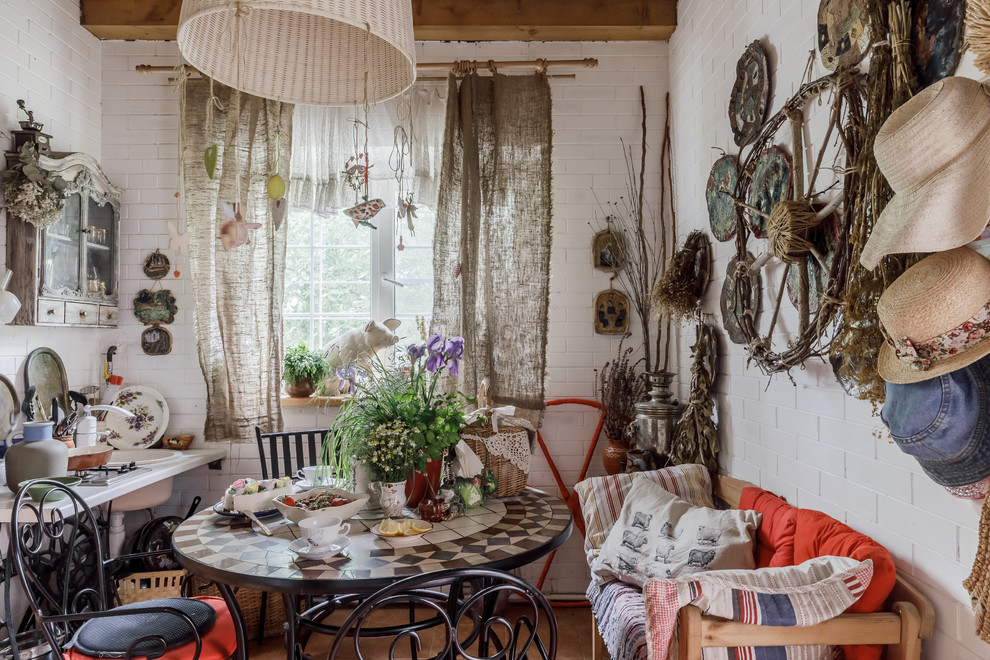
x: 417, y: 527
x: 390, y: 527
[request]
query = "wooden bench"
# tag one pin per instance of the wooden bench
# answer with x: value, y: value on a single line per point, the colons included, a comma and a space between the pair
x: 909, y: 618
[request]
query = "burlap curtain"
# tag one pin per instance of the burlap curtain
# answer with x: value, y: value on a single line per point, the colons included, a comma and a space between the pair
x: 493, y: 224
x: 237, y: 294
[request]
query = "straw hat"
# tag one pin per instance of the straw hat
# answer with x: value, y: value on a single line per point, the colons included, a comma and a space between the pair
x: 936, y: 317
x: 934, y: 151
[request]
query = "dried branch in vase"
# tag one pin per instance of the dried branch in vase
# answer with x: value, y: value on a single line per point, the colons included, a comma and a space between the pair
x: 618, y: 387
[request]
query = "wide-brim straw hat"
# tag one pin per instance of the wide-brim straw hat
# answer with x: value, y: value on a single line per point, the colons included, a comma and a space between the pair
x: 934, y: 317
x: 934, y: 151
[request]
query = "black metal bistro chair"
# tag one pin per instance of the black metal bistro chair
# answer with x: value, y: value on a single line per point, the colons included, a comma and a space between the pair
x: 468, y: 618
x: 56, y: 546
x: 287, y: 452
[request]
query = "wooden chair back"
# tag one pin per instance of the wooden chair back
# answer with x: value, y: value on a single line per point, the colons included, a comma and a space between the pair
x: 285, y: 453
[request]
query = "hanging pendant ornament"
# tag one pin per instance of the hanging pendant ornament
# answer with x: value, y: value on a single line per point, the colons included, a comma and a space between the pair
x: 178, y: 243
x: 276, y: 184
x: 407, y: 210
x: 210, y: 160
x: 400, y: 247
x: 233, y: 229
x: 356, y: 171
x: 457, y: 270
x: 279, y: 208
x: 361, y: 213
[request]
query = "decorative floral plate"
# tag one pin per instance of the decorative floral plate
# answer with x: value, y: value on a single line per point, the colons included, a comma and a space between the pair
x: 771, y: 184
x: 719, y: 194
x: 148, y: 424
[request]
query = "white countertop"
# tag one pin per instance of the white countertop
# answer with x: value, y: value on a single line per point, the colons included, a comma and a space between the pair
x: 94, y: 495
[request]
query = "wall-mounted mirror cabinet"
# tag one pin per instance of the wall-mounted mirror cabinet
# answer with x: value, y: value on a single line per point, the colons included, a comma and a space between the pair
x: 67, y: 273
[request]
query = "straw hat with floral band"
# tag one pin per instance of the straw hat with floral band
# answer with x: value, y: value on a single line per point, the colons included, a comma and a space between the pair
x: 935, y: 317
x: 934, y: 151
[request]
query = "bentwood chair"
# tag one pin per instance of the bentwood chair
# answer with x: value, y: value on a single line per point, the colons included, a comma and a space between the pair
x: 287, y: 452
x: 466, y: 623
x: 59, y: 555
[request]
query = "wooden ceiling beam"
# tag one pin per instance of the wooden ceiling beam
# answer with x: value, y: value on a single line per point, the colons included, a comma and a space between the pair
x: 437, y: 20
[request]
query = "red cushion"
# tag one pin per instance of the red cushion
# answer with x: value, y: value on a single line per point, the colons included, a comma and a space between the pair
x: 819, y: 535
x: 775, y: 536
x: 218, y: 644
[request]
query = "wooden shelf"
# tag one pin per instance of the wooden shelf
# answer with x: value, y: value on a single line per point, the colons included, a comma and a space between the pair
x: 321, y: 401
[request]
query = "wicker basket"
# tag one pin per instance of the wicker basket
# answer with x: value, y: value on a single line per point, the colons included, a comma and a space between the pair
x: 249, y: 600
x: 510, y: 479
x: 139, y: 587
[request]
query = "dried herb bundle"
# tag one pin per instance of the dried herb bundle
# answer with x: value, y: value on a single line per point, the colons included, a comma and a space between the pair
x: 618, y: 387
x: 697, y: 437
x: 679, y: 291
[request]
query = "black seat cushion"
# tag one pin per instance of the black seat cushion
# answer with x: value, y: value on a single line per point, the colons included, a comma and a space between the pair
x: 110, y: 637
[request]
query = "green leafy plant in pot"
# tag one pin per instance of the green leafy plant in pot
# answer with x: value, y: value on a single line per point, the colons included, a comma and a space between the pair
x: 402, y: 393
x: 302, y: 369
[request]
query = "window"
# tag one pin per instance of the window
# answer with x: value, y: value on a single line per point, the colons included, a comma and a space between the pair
x: 339, y: 276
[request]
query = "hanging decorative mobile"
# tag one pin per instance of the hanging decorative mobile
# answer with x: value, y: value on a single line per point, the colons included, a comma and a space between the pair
x: 179, y: 242
x: 401, y: 152
x: 276, y: 184
x: 233, y: 229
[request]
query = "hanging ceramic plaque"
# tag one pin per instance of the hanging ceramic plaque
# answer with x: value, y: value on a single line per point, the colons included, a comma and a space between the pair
x: 771, y: 184
x: 606, y: 251
x: 936, y: 38
x: 156, y: 340
x: 843, y: 33
x: 750, y: 95
x: 611, y: 313
x: 732, y: 303
x: 151, y: 307
x: 719, y: 193
x: 157, y: 265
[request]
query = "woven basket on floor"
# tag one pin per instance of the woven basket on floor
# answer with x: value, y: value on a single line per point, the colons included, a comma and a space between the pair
x: 139, y: 587
x: 249, y: 600
x: 510, y: 480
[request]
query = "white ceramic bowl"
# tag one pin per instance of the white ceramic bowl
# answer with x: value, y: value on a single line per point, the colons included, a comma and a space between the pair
x: 295, y: 514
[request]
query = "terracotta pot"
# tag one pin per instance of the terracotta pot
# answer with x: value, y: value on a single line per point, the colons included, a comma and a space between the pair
x: 614, y: 456
x: 301, y: 389
x: 416, y: 482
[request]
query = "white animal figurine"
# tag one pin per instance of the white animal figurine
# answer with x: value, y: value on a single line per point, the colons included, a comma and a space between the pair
x: 355, y: 347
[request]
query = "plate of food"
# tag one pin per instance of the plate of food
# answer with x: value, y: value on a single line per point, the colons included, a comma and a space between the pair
x: 228, y: 513
x: 320, y: 502
x: 146, y: 427
x: 390, y: 528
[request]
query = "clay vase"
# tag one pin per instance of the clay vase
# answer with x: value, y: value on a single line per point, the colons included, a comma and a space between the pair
x: 301, y: 388
x: 416, y: 482
x: 614, y: 456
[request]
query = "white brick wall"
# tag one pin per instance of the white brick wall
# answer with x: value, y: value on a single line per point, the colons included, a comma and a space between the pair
x: 135, y: 137
x: 810, y: 442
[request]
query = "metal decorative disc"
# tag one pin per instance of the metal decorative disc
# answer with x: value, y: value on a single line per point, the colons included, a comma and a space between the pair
x: 771, y: 184
x: 936, y: 38
x: 843, y: 33
x: 750, y: 95
x: 817, y: 277
x: 721, y: 206
x: 733, y: 301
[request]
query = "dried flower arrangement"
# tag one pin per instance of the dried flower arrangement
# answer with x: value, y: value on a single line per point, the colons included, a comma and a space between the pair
x: 32, y: 193
x: 618, y: 387
x: 679, y: 291
x: 697, y: 437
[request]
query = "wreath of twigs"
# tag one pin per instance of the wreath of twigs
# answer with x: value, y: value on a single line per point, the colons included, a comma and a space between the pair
x: 847, y: 122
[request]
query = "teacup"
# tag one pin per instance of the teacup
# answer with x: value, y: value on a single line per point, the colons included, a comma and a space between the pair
x: 320, y: 531
x: 310, y: 472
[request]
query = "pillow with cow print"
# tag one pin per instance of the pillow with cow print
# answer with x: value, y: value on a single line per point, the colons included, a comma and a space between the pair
x: 659, y: 535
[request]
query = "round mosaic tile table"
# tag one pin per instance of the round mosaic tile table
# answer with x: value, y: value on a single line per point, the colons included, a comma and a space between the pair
x: 503, y: 533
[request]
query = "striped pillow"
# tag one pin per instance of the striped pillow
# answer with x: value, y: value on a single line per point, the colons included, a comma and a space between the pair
x: 802, y: 595
x: 602, y: 497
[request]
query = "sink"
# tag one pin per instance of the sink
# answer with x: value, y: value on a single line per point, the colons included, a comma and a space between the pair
x: 144, y: 498
x: 141, y: 456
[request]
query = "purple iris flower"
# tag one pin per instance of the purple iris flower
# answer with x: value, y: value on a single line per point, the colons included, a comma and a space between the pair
x: 416, y: 351
x: 348, y: 375
x: 454, y: 369
x: 455, y: 348
x: 434, y: 363
x: 435, y: 343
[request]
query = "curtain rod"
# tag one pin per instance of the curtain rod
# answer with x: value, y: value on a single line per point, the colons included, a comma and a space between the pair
x: 457, y: 66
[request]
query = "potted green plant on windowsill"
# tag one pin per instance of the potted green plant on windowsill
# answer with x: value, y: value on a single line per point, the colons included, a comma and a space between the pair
x: 303, y: 369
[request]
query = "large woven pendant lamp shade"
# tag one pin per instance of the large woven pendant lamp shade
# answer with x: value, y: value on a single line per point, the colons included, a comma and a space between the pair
x: 313, y: 52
